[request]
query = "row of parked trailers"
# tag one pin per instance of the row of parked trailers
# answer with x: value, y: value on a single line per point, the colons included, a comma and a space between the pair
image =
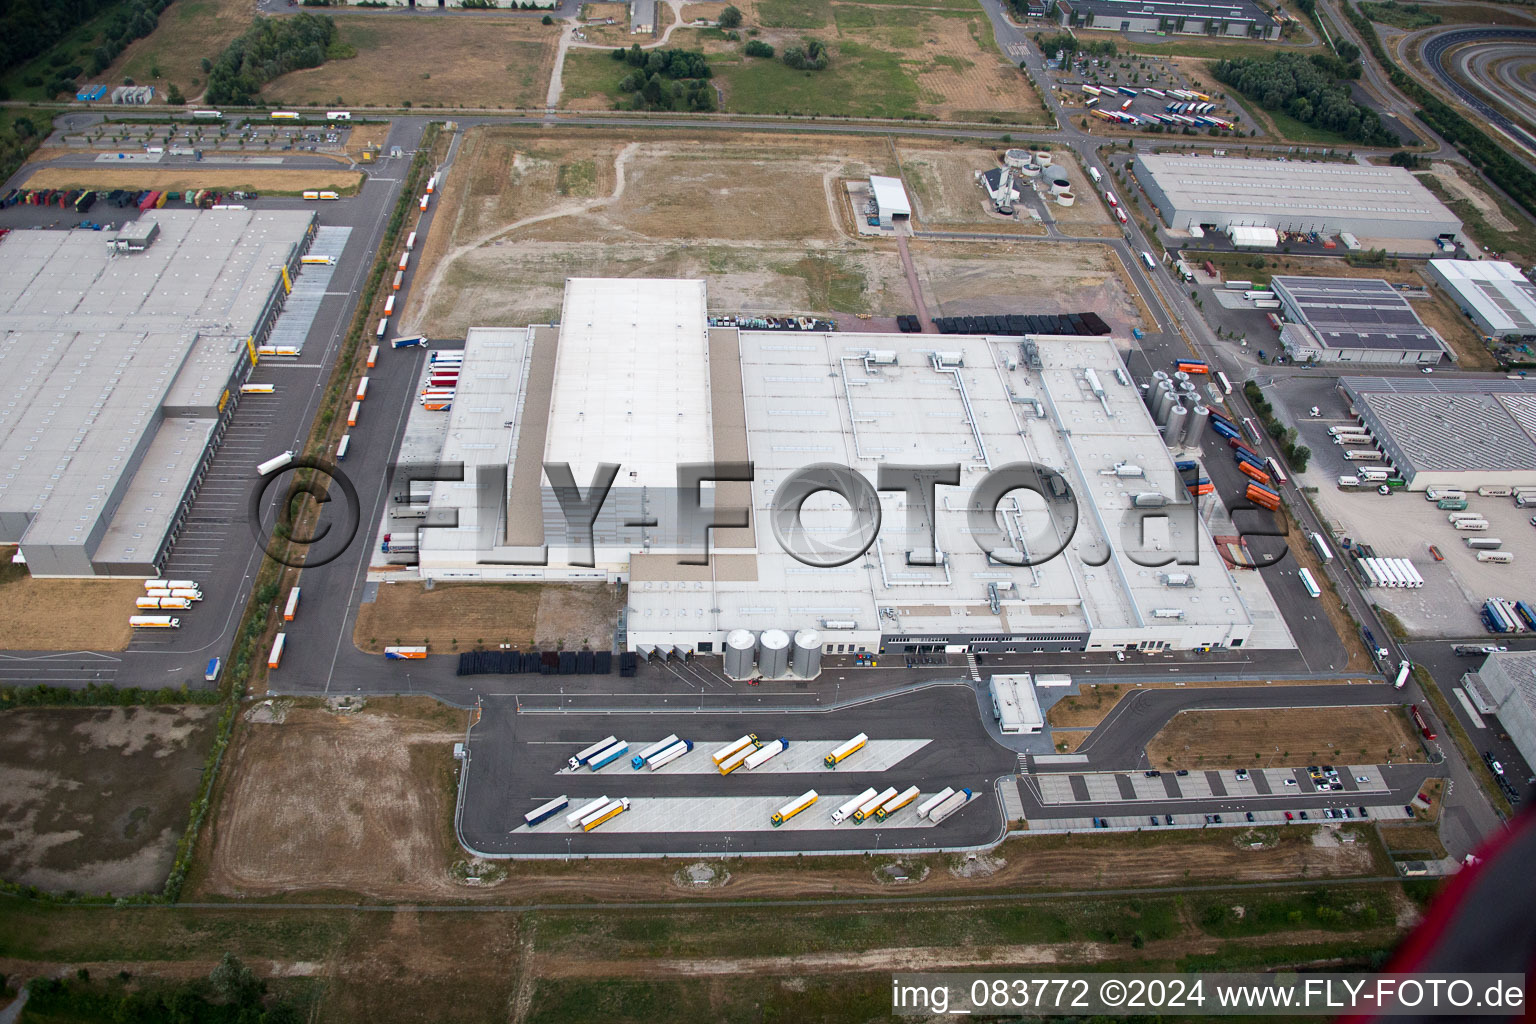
x: 1390, y: 573
x: 549, y: 663
x: 1018, y: 324
x: 1501, y: 615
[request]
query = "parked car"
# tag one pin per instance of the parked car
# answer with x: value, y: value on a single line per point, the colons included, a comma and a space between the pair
x: 1250, y: 815
x: 1167, y: 819
x: 1154, y: 818
x: 1182, y: 772
x: 1290, y: 782
x: 1289, y: 816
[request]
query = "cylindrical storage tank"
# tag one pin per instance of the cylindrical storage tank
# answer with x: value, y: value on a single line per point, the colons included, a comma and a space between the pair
x: 1016, y: 158
x: 739, y: 646
x: 1160, y: 375
x: 1042, y: 156
x: 1181, y: 375
x: 1065, y: 199
x: 773, y: 654
x: 1162, y: 398
x: 1059, y: 186
x: 807, y: 654
x: 1178, y: 418
x: 1198, y: 421
x: 1029, y: 170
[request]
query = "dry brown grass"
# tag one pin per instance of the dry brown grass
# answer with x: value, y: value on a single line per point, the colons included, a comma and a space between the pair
x: 182, y: 178
x: 1422, y: 840
x: 1097, y: 700
x: 460, y: 616
x: 94, y: 799
x: 966, y: 75
x: 387, y: 775
x: 695, y: 12
x: 943, y: 185
x: 185, y: 34
x: 429, y: 62
x: 64, y: 615
x: 1362, y: 735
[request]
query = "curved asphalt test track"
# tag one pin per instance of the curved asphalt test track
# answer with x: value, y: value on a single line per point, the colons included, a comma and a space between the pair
x: 1434, y: 55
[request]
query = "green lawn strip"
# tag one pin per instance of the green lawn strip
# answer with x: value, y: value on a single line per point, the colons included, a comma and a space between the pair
x: 1464, y: 744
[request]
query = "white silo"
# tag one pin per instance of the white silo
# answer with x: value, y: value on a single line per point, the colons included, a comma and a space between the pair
x: 1016, y: 158
x: 1178, y: 419
x: 1198, y: 421
x: 1162, y: 400
x: 739, y: 647
x: 1065, y: 199
x: 807, y: 654
x: 773, y: 654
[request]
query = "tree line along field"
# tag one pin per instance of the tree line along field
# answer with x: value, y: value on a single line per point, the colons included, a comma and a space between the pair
x: 932, y: 59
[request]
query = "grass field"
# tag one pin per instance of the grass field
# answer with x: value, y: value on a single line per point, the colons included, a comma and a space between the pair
x: 759, y: 964
x: 224, y: 179
x: 387, y: 775
x: 462, y: 616
x: 63, y: 615
x: 94, y: 799
x: 189, y: 30
x: 1284, y: 737
x: 930, y: 60
x: 442, y: 62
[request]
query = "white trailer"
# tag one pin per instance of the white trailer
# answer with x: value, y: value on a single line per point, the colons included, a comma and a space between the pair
x: 950, y: 806
x: 669, y: 755
x: 1321, y: 546
x: 1472, y: 525
x: 852, y: 805
x: 574, y: 818
x: 582, y: 756
x: 1371, y: 579
x: 766, y: 753
x: 927, y: 806
x: 638, y: 761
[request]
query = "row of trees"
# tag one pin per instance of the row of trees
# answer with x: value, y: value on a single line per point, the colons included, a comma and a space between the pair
x: 670, y: 63
x: 24, y: 34
x: 1310, y: 89
x: 272, y: 47
x: 29, y: 27
x: 657, y: 92
x: 1070, y: 45
x: 231, y: 993
x: 1298, y: 455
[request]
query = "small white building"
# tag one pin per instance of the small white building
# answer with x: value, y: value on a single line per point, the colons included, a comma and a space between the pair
x: 1015, y: 705
x: 891, y: 199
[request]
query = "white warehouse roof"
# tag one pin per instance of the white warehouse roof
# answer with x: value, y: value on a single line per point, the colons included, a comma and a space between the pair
x: 890, y: 195
x: 631, y: 380
x: 1496, y: 294
x: 1368, y: 200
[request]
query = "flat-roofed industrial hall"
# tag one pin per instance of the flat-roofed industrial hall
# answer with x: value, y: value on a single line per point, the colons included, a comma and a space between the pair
x: 121, y: 361
x: 1367, y: 201
x: 635, y: 375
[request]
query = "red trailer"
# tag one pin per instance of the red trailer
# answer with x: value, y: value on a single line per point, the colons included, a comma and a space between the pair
x: 1420, y: 721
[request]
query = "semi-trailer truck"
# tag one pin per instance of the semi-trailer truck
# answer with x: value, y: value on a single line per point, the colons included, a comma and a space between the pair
x: 608, y: 813
x: 573, y: 820
x: 845, y: 751
x: 603, y: 758
x: 669, y: 755
x: 952, y: 804
x: 737, y: 759
x: 1404, y: 669
x: 926, y: 807
x: 731, y: 749
x: 793, y: 808
x: 405, y: 653
x: 761, y: 756
x: 153, y: 622
x: 638, y: 761
x: 585, y: 755
x: 897, y: 802
x: 843, y: 812
x: 865, y: 810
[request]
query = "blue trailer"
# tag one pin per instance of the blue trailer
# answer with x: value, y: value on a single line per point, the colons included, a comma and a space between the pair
x: 1527, y: 613
x: 607, y: 757
x: 1185, y: 465
x: 544, y: 812
x: 1224, y: 429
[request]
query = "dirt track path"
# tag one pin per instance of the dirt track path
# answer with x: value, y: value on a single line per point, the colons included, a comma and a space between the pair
x: 566, y: 210
x: 568, y: 42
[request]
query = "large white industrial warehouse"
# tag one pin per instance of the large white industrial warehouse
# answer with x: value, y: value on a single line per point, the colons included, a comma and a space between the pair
x: 1220, y: 193
x: 120, y: 364
x: 1447, y: 432
x: 635, y: 376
